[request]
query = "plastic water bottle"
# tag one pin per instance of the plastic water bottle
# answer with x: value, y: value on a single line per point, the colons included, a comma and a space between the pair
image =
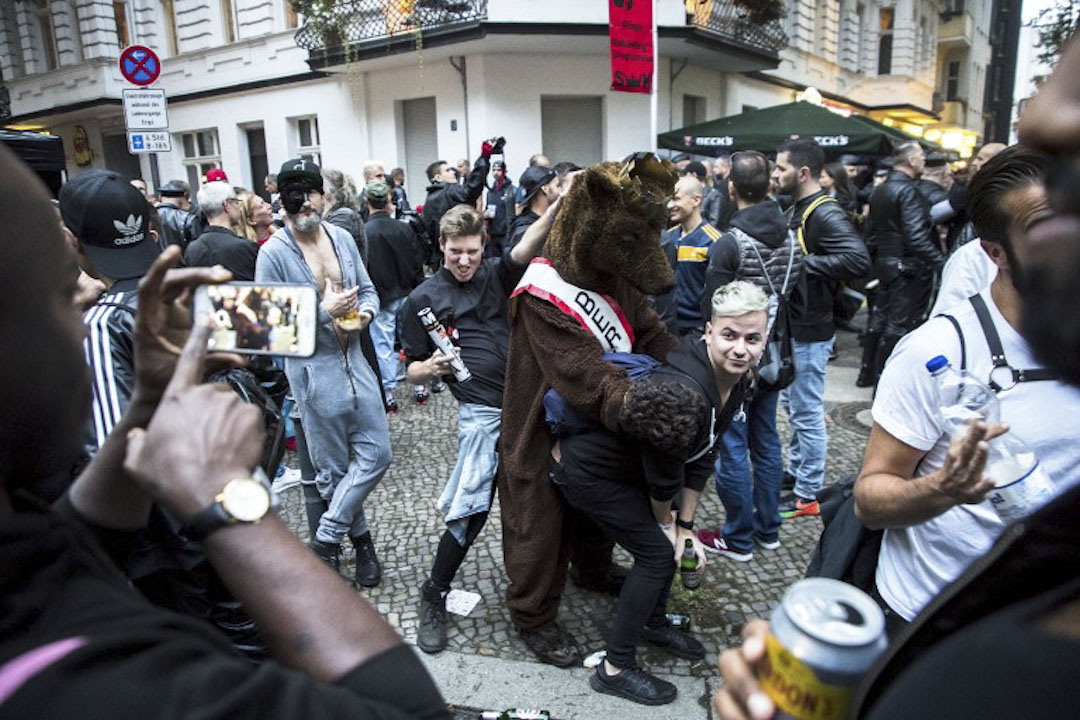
x: 1020, y: 485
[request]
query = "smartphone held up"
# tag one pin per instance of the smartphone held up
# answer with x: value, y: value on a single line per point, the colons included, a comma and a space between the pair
x: 260, y: 318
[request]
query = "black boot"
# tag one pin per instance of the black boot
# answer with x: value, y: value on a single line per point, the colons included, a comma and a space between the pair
x: 327, y: 552
x: 431, y: 636
x: 368, y: 569
x: 867, y: 376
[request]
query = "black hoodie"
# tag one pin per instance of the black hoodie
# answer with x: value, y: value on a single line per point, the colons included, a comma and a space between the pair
x: 728, y: 260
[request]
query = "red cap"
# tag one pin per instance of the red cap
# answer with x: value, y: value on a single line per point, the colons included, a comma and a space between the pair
x: 215, y: 175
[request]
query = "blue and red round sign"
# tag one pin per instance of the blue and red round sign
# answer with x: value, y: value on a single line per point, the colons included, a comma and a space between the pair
x: 139, y: 65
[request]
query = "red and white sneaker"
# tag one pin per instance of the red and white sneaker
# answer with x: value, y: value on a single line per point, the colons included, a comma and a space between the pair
x: 714, y: 542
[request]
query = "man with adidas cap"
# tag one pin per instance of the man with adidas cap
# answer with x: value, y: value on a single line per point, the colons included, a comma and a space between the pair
x: 538, y: 190
x: 341, y: 402
x: 107, y: 223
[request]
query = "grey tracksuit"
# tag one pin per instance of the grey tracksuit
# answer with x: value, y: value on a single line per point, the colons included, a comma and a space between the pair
x: 340, y: 400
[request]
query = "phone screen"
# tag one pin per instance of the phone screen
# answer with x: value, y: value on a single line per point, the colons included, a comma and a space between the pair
x: 264, y: 319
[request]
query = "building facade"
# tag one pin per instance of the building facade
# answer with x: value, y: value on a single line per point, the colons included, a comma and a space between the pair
x: 253, y: 82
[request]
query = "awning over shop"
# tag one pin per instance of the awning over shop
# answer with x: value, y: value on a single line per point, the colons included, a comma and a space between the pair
x: 764, y: 130
x: 43, y: 153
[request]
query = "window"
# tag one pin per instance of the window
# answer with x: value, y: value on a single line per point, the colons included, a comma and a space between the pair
x: 925, y: 48
x: 228, y: 21
x: 119, y: 8
x: 860, y: 36
x: 171, y: 38
x: 47, y: 34
x: 201, y: 155
x: 952, y: 81
x: 885, y: 45
x: 307, y: 135
x: 291, y: 20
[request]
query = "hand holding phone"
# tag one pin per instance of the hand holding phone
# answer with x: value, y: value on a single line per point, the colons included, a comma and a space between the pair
x: 260, y: 319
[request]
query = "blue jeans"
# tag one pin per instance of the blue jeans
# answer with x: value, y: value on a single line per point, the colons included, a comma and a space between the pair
x: 383, y: 336
x: 751, y: 508
x: 804, y: 400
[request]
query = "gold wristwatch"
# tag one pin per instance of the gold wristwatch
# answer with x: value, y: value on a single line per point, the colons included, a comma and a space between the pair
x: 243, y: 500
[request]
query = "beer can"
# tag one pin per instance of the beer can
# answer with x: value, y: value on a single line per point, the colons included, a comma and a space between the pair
x: 438, y: 335
x: 824, y: 635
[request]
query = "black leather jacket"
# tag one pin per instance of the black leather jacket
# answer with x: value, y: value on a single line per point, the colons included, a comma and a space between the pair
x: 443, y: 196
x: 900, y: 225
x: 176, y: 225
x: 834, y: 253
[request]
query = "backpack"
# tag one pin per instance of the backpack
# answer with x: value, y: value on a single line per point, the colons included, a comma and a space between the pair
x: 776, y: 368
x: 266, y: 391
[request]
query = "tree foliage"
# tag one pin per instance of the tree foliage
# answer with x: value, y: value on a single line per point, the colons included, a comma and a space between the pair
x: 1055, y: 25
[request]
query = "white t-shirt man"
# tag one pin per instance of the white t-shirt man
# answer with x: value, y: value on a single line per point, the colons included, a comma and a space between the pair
x: 917, y: 562
x: 968, y: 271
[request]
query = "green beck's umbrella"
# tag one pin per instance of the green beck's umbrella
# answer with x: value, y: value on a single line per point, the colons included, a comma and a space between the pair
x: 764, y: 130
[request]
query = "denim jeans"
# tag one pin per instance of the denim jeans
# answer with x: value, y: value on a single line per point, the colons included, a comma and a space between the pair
x: 383, y: 336
x: 751, y: 507
x: 804, y: 400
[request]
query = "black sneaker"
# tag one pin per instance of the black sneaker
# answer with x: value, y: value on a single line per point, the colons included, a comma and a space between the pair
x: 552, y: 645
x: 432, y: 634
x: 633, y: 684
x: 674, y: 641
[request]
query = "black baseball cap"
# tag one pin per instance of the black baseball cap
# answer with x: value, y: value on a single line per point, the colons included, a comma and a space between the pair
x: 534, y: 178
x: 111, y: 220
x: 300, y: 170
x: 173, y: 188
x: 936, y: 159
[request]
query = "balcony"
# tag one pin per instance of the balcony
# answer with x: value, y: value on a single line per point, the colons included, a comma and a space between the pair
x: 957, y: 32
x: 350, y: 30
x: 954, y: 112
x: 755, y: 23
x: 361, y: 25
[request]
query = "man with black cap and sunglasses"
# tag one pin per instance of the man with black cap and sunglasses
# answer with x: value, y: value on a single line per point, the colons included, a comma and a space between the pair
x: 174, y: 211
x: 540, y: 189
x: 341, y: 403
x: 107, y: 223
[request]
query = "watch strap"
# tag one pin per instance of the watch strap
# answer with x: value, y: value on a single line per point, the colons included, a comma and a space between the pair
x: 209, y: 519
x: 685, y: 524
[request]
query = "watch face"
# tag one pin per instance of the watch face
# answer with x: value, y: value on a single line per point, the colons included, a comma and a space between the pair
x: 246, y: 500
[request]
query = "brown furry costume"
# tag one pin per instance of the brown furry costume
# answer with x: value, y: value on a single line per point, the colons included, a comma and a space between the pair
x: 605, y: 238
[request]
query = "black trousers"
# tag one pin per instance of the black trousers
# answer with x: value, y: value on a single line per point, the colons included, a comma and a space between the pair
x: 620, y: 506
x: 903, y: 298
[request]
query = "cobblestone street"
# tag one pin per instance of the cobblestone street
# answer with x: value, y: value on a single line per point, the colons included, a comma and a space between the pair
x: 406, y: 529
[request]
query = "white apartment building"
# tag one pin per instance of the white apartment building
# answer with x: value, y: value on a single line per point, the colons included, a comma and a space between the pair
x: 252, y: 83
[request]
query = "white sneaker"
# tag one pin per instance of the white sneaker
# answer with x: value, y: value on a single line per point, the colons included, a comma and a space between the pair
x: 771, y: 545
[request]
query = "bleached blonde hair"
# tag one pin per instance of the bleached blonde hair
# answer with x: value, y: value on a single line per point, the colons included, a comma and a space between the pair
x: 738, y: 298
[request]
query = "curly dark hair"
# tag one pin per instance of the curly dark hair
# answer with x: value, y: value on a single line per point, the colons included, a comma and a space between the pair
x: 663, y: 414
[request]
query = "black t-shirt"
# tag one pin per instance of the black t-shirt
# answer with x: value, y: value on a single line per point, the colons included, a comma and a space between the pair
x: 474, y: 315
x: 220, y: 246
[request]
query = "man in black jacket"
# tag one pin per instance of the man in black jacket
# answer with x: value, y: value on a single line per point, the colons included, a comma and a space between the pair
x: 538, y: 190
x: 219, y: 245
x: 396, y: 266
x: 177, y: 222
x: 907, y: 256
x: 444, y: 192
x: 834, y: 253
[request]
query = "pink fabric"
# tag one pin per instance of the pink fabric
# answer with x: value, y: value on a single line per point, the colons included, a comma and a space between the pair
x: 15, y: 672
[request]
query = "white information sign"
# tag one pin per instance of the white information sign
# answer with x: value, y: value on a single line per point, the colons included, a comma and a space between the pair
x: 149, y: 142
x: 145, y: 109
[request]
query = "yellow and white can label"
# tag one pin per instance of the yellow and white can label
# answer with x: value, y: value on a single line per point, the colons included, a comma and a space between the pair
x: 796, y: 688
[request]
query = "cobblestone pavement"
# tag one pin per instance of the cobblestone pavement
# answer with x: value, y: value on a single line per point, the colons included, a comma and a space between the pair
x: 406, y: 529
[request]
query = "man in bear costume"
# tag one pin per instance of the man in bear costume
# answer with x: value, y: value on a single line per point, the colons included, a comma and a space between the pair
x: 585, y: 296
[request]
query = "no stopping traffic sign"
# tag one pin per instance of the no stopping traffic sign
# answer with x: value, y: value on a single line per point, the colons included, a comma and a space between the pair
x: 139, y: 65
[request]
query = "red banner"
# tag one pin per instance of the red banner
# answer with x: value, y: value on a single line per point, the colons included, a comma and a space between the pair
x: 631, y: 27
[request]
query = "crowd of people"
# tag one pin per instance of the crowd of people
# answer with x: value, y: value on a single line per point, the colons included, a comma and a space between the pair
x: 622, y: 333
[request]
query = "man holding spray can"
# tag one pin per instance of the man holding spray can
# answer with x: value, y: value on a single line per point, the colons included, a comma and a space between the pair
x: 464, y: 303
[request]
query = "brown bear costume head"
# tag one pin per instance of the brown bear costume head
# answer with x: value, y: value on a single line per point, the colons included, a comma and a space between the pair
x: 608, y: 230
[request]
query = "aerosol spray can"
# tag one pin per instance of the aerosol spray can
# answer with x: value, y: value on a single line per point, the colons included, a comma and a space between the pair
x: 438, y: 335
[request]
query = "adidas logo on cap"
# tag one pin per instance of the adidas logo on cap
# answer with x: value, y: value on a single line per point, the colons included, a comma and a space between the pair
x: 130, y: 231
